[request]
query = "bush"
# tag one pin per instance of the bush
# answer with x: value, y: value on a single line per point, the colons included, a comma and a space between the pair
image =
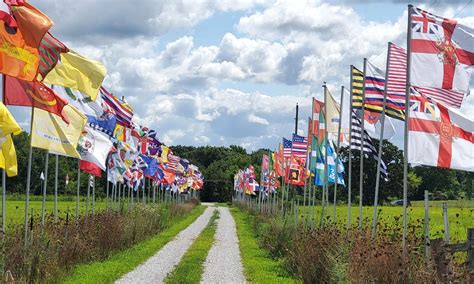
x: 57, y: 247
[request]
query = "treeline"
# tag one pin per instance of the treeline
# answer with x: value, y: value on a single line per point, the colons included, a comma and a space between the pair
x: 219, y: 164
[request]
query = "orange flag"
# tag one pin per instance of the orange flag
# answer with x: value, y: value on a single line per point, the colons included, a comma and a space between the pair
x: 19, y: 54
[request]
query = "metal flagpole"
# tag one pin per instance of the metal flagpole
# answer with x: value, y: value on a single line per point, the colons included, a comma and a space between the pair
x: 325, y: 141
x: 405, y: 144
x: 28, y: 178
x: 349, y: 178
x: 56, y: 172
x: 45, y: 185
x: 93, y: 195
x: 88, y: 194
x: 78, y: 188
x: 362, y: 135
x: 382, y: 125
x: 107, y: 193
x: 337, y: 152
x: 4, y: 199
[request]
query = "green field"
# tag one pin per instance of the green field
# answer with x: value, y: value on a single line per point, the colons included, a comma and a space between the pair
x: 15, y: 208
x: 460, y: 218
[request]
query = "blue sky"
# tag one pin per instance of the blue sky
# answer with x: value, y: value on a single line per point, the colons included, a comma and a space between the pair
x: 230, y: 72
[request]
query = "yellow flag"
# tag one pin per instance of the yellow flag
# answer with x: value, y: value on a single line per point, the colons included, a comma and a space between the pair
x: 164, y: 154
x: 77, y: 72
x: 8, y: 124
x: 51, y: 133
x: 8, y: 156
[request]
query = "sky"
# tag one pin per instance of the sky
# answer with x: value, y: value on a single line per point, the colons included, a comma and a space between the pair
x: 230, y: 72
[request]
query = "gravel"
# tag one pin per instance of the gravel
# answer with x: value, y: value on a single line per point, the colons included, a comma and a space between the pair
x: 155, y: 269
x: 223, y: 263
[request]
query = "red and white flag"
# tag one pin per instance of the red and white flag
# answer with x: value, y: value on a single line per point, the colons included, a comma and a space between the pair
x: 439, y: 135
x: 442, y: 52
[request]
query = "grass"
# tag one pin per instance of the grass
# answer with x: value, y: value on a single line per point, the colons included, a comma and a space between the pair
x: 122, y: 262
x: 190, y: 268
x: 460, y: 218
x: 259, y: 267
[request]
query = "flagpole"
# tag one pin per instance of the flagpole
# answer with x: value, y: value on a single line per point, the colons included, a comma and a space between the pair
x: 4, y: 202
x: 45, y: 184
x: 78, y: 188
x: 349, y: 179
x: 93, y: 195
x: 379, y: 158
x: 337, y: 152
x: 28, y: 177
x: 362, y: 134
x: 405, y: 143
x: 325, y: 140
x: 56, y: 168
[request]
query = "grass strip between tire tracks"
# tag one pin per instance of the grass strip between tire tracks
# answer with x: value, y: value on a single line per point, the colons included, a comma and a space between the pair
x: 190, y: 268
x: 259, y: 267
x: 122, y: 262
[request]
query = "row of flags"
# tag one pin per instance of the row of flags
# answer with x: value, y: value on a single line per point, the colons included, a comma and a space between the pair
x: 73, y: 114
x: 438, y: 66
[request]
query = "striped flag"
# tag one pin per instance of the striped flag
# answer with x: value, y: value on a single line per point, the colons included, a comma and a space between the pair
x: 396, y: 82
x: 368, y: 144
x: 299, y: 146
x: 357, y: 78
x: 50, y: 50
x: 374, y: 93
x: 287, y: 144
x: 120, y: 109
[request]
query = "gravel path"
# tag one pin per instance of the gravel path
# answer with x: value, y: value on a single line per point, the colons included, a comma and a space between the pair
x: 155, y: 269
x: 223, y: 263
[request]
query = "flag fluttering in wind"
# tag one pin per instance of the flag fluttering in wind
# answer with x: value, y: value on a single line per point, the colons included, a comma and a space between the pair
x: 439, y: 135
x: 33, y: 94
x: 51, y: 133
x: 19, y: 55
x: 8, y: 127
x: 442, y: 52
x: 77, y: 72
x: 335, y: 166
x: 296, y: 172
x: 94, y: 147
x: 299, y: 146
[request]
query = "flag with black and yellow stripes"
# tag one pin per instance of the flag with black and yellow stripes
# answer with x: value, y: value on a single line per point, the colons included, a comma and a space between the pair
x: 357, y: 79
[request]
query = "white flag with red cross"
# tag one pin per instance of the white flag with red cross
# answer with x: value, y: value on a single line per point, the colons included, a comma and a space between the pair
x: 439, y: 135
x: 442, y: 52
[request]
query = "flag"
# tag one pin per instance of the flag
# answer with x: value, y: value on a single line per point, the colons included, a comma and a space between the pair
x: 287, y: 145
x: 117, y: 107
x: 121, y: 132
x: 299, y: 146
x: 94, y: 146
x: 278, y: 164
x: 439, y: 136
x: 90, y: 168
x: 42, y: 176
x: 51, y: 133
x: 265, y: 163
x: 442, y: 52
x: 82, y: 102
x: 367, y: 143
x: 295, y: 173
x: 373, y: 125
x: 19, y: 54
x: 50, y: 50
x: 23, y: 93
x: 345, y: 115
x: 396, y: 82
x: 313, y: 155
x: 8, y: 160
x: 6, y: 15
x: 67, y: 179
x: 396, y: 77
x: 115, y: 167
x: 335, y: 165
x: 332, y: 113
x: 77, y: 72
x: 310, y: 130
x: 374, y: 94
x: 8, y: 124
x: 357, y: 79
